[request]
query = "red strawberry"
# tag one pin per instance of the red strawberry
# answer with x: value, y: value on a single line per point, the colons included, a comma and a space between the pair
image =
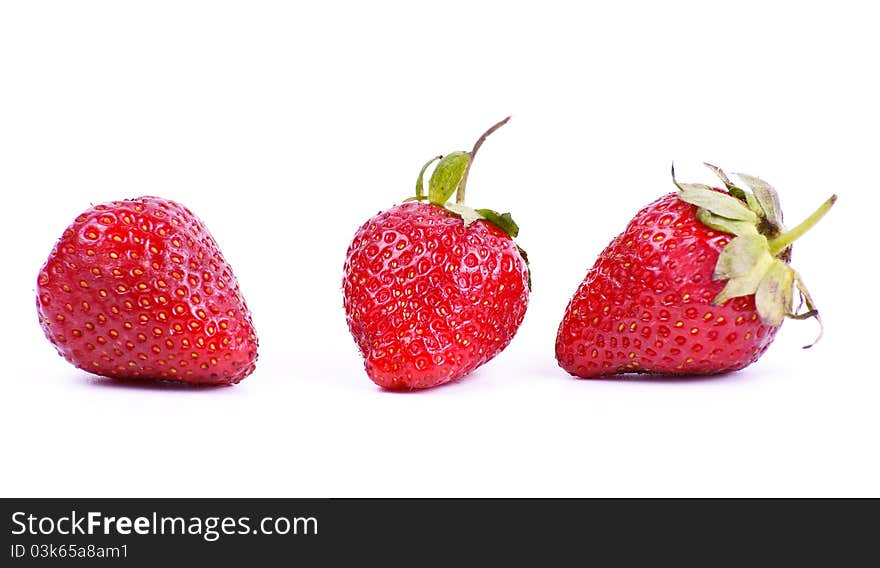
x: 434, y: 290
x: 697, y: 284
x: 138, y: 289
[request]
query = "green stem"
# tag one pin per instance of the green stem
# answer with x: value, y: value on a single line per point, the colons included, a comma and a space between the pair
x: 459, y: 196
x: 783, y: 241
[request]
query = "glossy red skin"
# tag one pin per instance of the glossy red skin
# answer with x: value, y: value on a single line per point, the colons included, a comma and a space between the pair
x: 428, y: 300
x: 138, y: 289
x: 645, y: 306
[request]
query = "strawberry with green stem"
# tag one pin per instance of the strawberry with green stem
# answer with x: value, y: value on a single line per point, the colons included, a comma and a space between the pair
x: 433, y: 289
x: 698, y: 283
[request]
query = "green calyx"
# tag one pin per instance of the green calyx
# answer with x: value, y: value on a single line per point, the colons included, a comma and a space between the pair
x: 756, y: 260
x: 450, y: 177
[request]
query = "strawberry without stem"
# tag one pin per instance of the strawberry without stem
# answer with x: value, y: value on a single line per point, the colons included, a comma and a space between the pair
x: 698, y: 283
x: 434, y: 290
x: 138, y: 289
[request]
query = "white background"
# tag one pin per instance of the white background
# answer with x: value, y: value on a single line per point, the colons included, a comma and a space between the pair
x: 285, y: 126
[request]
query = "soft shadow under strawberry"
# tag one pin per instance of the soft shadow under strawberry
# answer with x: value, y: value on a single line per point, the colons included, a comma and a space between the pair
x: 661, y: 378
x: 154, y: 385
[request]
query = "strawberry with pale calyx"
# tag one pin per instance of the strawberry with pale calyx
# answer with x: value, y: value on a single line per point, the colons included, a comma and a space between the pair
x: 432, y: 289
x: 138, y: 289
x: 698, y: 283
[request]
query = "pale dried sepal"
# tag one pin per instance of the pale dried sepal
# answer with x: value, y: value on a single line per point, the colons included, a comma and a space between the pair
x: 773, y: 298
x: 812, y: 310
x: 726, y: 225
x: 741, y: 256
x: 766, y: 196
x: 746, y: 284
x: 753, y: 204
x: 467, y: 214
x: 716, y: 202
x: 721, y: 175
